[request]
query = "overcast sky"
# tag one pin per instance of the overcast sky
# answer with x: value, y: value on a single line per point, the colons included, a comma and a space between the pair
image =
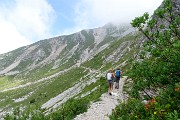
x: 24, y: 22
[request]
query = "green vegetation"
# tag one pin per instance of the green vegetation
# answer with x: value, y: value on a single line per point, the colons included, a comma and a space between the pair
x: 43, y: 91
x: 101, y: 86
x: 106, y: 40
x: 158, y: 72
x: 43, y: 45
x: 70, y: 42
x: 23, y: 64
x: 98, y: 60
x: 68, y: 110
x: 89, y: 38
x: 8, y: 58
x: 7, y: 81
x: 79, y: 105
x: 35, y: 74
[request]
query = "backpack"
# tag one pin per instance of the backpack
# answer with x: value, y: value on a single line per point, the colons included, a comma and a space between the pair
x: 118, y: 73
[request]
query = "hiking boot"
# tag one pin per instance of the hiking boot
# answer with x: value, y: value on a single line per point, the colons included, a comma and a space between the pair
x: 110, y: 93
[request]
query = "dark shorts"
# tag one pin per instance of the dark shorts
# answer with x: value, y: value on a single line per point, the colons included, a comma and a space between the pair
x: 117, y: 78
x: 110, y: 81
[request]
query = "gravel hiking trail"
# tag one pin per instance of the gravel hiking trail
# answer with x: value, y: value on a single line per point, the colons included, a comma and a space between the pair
x: 102, y: 109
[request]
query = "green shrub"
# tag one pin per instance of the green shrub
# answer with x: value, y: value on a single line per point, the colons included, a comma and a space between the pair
x: 158, y: 72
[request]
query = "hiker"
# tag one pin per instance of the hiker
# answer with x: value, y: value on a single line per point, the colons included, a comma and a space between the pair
x: 114, y: 76
x: 118, y: 75
x: 110, y: 81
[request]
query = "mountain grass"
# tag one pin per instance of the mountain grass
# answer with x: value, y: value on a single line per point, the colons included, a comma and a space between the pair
x: 89, y: 39
x: 8, y: 58
x: 107, y: 39
x: 43, y: 91
x: 22, y: 65
x: 34, y: 75
x: 70, y: 41
x: 7, y: 82
x: 100, y: 84
x: 66, y: 111
x: 97, y: 61
x: 107, y: 66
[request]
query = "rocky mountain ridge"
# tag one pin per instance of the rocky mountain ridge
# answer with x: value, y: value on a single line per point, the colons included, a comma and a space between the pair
x: 80, y: 46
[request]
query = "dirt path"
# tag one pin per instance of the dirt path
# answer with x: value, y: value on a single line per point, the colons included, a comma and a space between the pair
x: 102, y: 109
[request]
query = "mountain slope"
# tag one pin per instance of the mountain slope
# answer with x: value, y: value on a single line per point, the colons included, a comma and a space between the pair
x: 61, y: 51
x: 39, y: 72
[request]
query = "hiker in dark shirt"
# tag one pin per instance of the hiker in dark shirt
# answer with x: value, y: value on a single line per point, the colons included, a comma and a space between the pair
x: 118, y: 73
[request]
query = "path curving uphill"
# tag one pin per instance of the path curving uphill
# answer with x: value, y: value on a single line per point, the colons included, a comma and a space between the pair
x: 102, y: 109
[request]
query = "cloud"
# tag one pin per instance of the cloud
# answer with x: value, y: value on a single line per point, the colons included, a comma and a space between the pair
x: 23, y: 22
x: 10, y: 38
x: 93, y: 13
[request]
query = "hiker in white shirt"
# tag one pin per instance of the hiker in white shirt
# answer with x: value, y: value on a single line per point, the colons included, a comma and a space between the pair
x: 110, y: 81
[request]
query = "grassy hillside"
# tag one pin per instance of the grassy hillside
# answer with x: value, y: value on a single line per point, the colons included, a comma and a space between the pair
x: 43, y: 91
x: 58, y: 74
x: 8, y: 58
x: 38, y: 93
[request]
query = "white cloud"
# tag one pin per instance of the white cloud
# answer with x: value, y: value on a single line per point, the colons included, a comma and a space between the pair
x: 93, y: 13
x: 10, y: 38
x: 23, y: 22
